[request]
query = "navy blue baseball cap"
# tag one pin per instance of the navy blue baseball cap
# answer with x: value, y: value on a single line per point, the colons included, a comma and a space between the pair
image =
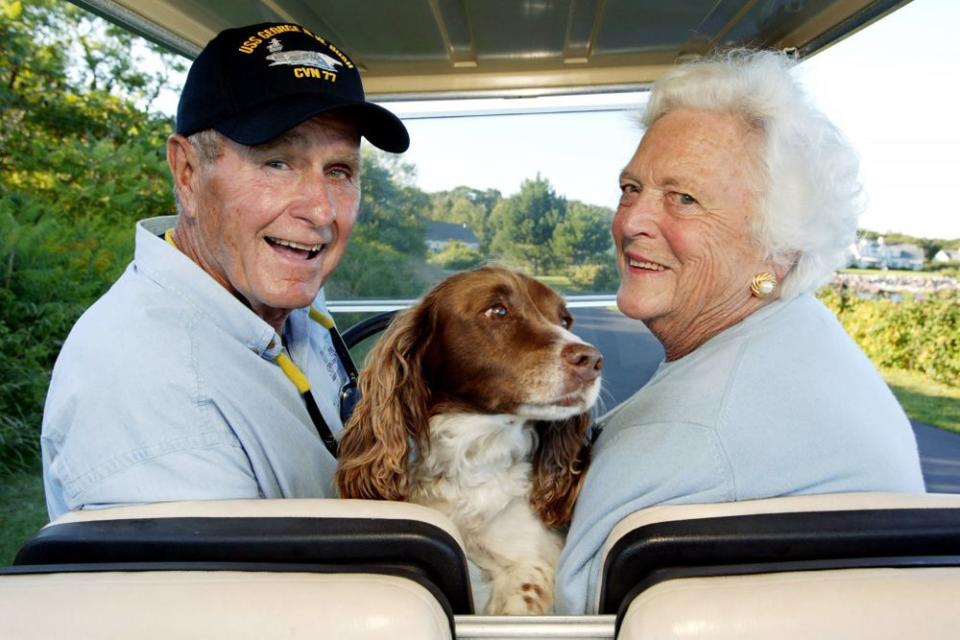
x: 254, y: 83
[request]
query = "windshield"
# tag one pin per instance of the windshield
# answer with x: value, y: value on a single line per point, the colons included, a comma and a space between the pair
x: 528, y: 181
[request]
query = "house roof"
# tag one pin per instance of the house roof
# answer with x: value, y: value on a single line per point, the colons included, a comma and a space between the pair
x: 446, y: 231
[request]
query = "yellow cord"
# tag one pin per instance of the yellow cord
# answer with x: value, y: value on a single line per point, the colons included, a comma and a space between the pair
x: 293, y: 372
x: 321, y: 318
x: 289, y: 369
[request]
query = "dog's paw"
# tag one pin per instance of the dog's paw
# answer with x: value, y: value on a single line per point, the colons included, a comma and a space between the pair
x: 531, y: 600
x: 522, y: 595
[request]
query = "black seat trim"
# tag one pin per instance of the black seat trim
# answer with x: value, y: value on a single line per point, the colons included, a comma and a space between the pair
x: 774, y: 542
x: 411, y: 548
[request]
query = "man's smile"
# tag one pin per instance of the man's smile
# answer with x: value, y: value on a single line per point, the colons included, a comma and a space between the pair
x: 307, y: 251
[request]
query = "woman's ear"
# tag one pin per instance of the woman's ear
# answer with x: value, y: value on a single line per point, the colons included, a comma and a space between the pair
x: 184, y: 165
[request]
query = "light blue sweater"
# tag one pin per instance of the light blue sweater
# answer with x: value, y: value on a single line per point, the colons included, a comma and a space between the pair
x: 782, y: 403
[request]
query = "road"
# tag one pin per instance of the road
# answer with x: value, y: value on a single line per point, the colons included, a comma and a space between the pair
x: 631, y: 355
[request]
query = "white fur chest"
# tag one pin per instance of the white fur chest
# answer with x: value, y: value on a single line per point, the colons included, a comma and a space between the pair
x: 477, y: 465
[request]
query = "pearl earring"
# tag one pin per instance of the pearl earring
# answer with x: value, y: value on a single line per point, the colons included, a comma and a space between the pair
x: 763, y: 284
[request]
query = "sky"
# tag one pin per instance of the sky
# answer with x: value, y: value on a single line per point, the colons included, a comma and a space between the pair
x: 892, y: 88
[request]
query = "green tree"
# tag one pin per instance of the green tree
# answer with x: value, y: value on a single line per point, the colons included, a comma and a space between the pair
x: 469, y: 206
x: 456, y: 256
x: 80, y: 159
x: 583, y: 236
x: 371, y: 269
x: 392, y: 208
x: 525, y: 223
x: 388, y: 244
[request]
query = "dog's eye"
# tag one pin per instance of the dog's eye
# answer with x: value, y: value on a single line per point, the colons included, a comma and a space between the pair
x: 496, y: 311
x: 566, y: 322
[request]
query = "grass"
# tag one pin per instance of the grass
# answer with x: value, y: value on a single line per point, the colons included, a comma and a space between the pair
x: 561, y: 283
x: 22, y: 511
x: 925, y: 400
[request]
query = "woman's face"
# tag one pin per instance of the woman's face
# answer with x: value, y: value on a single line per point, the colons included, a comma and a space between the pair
x: 683, y: 234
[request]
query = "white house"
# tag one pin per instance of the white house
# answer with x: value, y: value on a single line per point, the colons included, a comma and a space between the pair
x: 947, y: 255
x: 877, y: 254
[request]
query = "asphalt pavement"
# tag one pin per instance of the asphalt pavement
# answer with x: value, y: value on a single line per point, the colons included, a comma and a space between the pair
x: 631, y: 355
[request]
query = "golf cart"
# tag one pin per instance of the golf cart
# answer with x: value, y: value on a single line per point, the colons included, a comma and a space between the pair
x: 848, y: 565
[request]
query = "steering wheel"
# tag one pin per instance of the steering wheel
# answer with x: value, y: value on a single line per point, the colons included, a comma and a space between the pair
x: 362, y: 330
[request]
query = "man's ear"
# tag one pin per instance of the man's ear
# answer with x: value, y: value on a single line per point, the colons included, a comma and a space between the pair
x: 184, y: 166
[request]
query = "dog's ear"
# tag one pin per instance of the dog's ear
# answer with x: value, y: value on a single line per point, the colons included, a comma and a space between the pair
x: 559, y: 466
x: 392, y: 413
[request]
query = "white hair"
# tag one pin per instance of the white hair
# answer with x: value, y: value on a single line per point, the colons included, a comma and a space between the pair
x: 811, y: 197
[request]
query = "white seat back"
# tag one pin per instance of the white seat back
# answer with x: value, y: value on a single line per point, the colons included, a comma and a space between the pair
x: 220, y: 604
x: 240, y: 569
x: 850, y: 604
x: 852, y: 565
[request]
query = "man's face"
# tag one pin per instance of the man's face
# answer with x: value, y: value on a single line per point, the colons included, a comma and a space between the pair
x: 273, y: 220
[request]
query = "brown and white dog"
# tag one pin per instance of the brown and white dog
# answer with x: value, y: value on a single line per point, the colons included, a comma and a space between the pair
x: 476, y: 402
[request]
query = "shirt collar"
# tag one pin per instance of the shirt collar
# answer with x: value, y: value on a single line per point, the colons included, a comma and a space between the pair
x: 174, y: 271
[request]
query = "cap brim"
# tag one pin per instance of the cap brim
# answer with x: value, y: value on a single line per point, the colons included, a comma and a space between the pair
x: 383, y: 129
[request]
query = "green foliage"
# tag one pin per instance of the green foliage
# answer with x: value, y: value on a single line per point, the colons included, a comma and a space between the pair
x: 391, y: 207
x: 388, y: 237
x: 23, y: 511
x: 595, y: 278
x: 950, y: 269
x: 583, y: 236
x: 525, y: 223
x: 914, y: 334
x: 539, y: 230
x: 456, y: 256
x: 50, y: 272
x: 374, y: 269
x: 80, y: 160
x: 925, y: 400
x: 472, y: 207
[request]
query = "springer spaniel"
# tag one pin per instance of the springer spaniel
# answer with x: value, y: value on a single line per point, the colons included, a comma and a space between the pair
x: 476, y: 402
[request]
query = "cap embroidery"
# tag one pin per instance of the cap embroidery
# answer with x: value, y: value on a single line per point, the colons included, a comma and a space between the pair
x: 304, y: 59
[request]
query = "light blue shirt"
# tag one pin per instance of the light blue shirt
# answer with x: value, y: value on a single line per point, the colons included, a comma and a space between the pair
x: 167, y: 389
x: 782, y: 403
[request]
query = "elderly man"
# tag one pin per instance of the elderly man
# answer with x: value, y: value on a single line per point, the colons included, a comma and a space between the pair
x: 211, y: 370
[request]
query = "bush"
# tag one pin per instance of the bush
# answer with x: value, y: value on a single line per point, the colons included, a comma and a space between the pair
x: 49, y: 273
x: 914, y: 334
x: 600, y: 278
x: 949, y: 269
x: 374, y: 269
x: 456, y: 256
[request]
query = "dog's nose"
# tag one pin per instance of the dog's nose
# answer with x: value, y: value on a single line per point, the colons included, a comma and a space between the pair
x: 585, y: 360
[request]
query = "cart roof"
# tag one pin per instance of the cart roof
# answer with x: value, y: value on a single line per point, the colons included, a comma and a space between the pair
x: 457, y: 48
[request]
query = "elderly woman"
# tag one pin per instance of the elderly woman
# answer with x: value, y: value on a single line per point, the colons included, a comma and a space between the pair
x: 737, y: 205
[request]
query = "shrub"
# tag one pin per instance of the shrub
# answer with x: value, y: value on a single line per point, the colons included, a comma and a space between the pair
x: 916, y: 334
x: 600, y: 278
x: 456, y: 256
x: 49, y: 273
